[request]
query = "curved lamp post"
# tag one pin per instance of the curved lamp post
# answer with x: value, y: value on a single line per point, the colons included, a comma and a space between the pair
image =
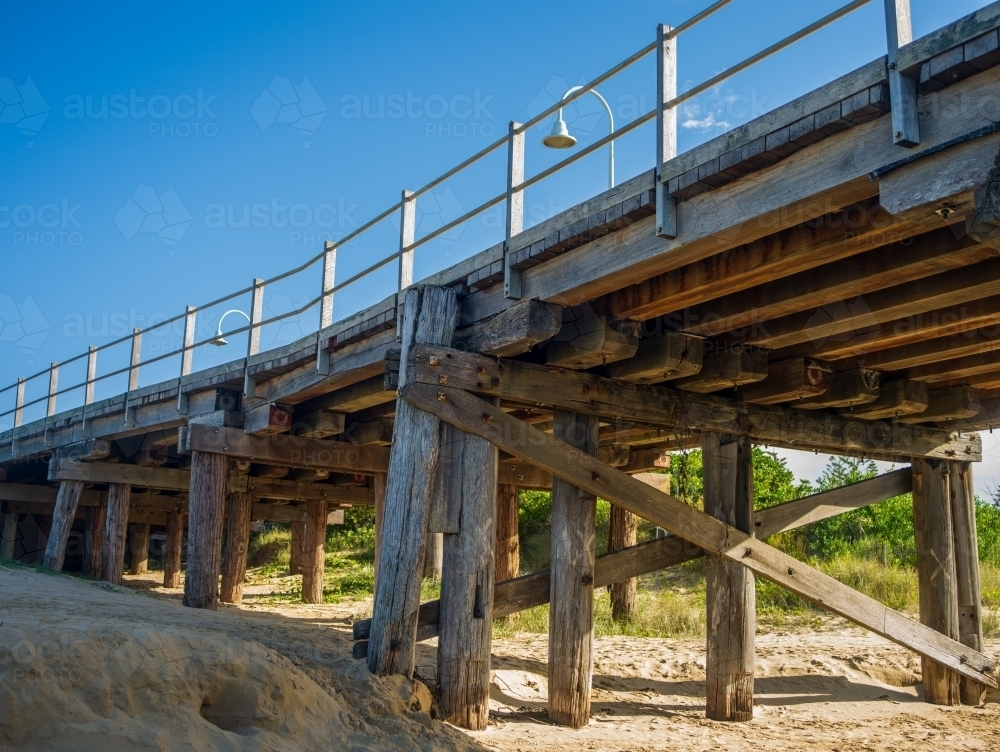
x: 218, y: 339
x: 560, y: 137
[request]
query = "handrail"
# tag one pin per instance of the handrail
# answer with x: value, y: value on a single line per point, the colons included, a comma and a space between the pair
x: 517, y: 184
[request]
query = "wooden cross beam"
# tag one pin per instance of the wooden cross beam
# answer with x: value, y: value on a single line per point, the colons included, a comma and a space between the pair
x: 651, y: 404
x: 465, y: 411
x: 532, y: 590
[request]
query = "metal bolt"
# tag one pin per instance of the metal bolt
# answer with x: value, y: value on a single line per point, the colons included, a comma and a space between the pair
x: 442, y: 397
x: 433, y: 360
x: 897, y: 134
x: 893, y: 65
x: 443, y: 379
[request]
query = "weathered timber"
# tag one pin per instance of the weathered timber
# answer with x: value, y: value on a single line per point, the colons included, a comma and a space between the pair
x: 508, y: 545
x: 955, y: 369
x: 314, y: 554
x: 523, y: 475
x: 10, y: 520
x: 269, y: 488
x: 671, y: 355
x: 857, y: 386
x: 984, y: 223
x: 445, y: 511
x: 289, y: 451
x: 580, y: 469
x: 93, y: 539
x: 109, y: 472
x: 62, y: 522
x: 729, y: 586
x: 932, y: 526
x: 139, y: 547
x: 622, y: 529
x: 318, y: 424
x: 270, y: 472
x: 378, y: 487
x: 673, y: 409
x: 786, y: 381
x: 297, y: 560
x: 463, y: 664
x: 726, y: 368
x: 585, y: 340
x: 234, y: 552
x: 571, y: 612
x: 930, y: 350
x: 433, y: 556
x: 172, y: 550
x: 512, y: 331
x: 517, y: 594
x: 376, y: 431
x: 429, y: 316
x: 267, y: 418
x: 947, y: 403
x: 372, y: 391
x: 895, y: 398
x: 115, y: 530
x: 206, y: 506
x: 967, y: 585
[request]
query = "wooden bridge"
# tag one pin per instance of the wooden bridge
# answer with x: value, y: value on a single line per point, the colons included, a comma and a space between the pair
x: 824, y: 277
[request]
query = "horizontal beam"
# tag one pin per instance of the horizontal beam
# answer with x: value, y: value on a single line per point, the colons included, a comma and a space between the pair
x: 585, y: 472
x: 657, y: 405
x: 282, y: 449
x: 113, y: 472
x: 532, y: 590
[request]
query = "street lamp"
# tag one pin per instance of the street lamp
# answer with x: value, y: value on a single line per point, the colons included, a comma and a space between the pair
x: 218, y: 339
x: 561, y: 138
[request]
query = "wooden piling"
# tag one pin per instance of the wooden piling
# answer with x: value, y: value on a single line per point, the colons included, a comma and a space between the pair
x: 970, y: 617
x: 935, y: 538
x: 429, y: 316
x: 295, y: 560
x: 140, y: 547
x: 434, y: 556
x: 508, y: 547
x: 172, y: 551
x: 730, y: 597
x: 622, y: 529
x: 115, y: 530
x: 93, y: 539
x: 467, y: 588
x: 378, y: 486
x: 571, y: 614
x: 314, y: 552
x: 206, y: 506
x: 234, y: 554
x: 62, y: 522
x: 9, y: 535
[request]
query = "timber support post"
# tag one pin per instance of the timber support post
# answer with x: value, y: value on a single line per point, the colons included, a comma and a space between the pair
x: 62, y: 522
x: 206, y: 506
x: 429, y: 317
x: 93, y: 538
x: 434, y: 556
x: 508, y: 548
x: 935, y: 538
x: 172, y: 550
x: 298, y: 530
x: 622, y: 529
x: 467, y: 586
x: 115, y: 530
x: 730, y: 598
x: 140, y: 547
x: 9, y: 535
x: 234, y: 556
x: 378, y: 486
x: 571, y: 615
x: 970, y: 616
x: 314, y: 550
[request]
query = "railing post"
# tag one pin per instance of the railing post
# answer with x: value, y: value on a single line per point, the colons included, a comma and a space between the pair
x: 902, y: 89
x: 515, y: 207
x: 187, y: 357
x: 407, y: 234
x: 666, y: 128
x: 133, y: 366
x: 256, y: 316
x: 19, y: 403
x: 329, y: 274
x: 50, y: 407
x: 88, y: 394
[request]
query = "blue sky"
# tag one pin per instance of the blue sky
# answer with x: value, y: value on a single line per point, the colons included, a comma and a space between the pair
x: 156, y: 156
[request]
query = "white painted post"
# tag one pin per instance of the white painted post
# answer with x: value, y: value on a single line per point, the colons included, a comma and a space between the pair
x: 515, y: 206
x: 133, y: 368
x: 407, y: 234
x: 666, y: 128
x: 19, y: 403
x: 50, y: 408
x: 329, y: 273
x: 902, y: 89
x: 88, y: 396
x: 256, y: 316
x: 187, y: 358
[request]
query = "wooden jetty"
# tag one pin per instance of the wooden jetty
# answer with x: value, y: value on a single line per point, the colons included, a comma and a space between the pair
x: 825, y: 277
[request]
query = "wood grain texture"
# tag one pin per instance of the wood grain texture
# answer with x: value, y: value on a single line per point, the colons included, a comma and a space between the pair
x: 932, y: 526
x: 429, y: 316
x: 173, y: 549
x: 206, y: 507
x: 139, y: 547
x: 9, y: 535
x: 314, y: 553
x: 62, y: 522
x: 296, y: 562
x: 234, y: 552
x: 729, y: 586
x: 378, y: 486
x: 466, y: 620
x: 508, y: 544
x: 571, y: 571
x: 115, y: 530
x: 434, y: 556
x: 622, y: 529
x: 588, y: 473
x: 93, y: 539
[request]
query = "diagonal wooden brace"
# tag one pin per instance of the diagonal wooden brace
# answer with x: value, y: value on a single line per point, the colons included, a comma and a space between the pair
x: 586, y: 472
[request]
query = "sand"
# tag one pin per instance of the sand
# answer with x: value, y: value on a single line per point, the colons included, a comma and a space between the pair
x: 90, y: 666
